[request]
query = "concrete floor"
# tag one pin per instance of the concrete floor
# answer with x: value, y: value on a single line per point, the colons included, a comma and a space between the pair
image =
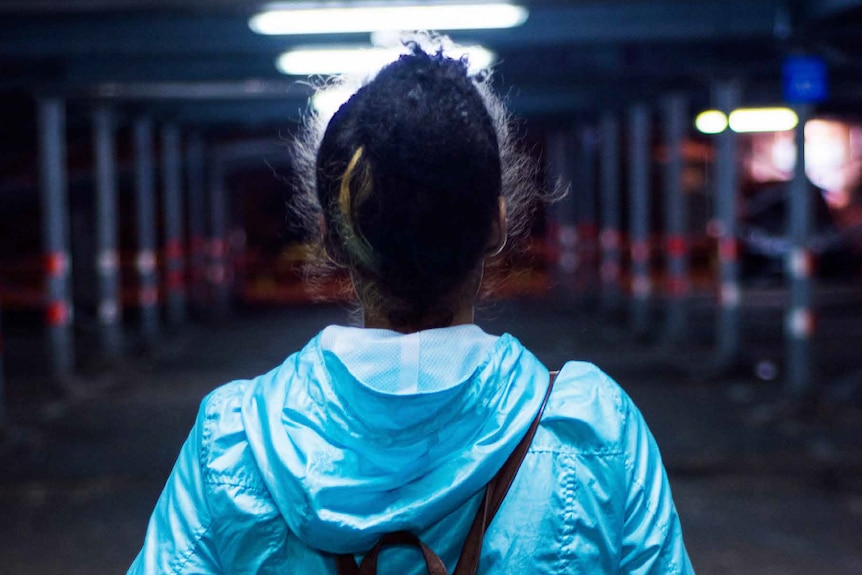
x: 758, y: 491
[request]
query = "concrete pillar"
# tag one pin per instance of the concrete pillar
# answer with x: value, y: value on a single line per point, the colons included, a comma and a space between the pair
x: 107, y: 257
x: 145, y: 205
x: 639, y: 216
x: 2, y: 377
x: 55, y: 234
x: 676, y: 219
x: 238, y: 251
x: 799, y: 322
x: 728, y: 331
x: 611, y: 222
x: 562, y: 233
x: 588, y: 231
x: 172, y: 214
x: 196, y: 221
x: 219, y: 273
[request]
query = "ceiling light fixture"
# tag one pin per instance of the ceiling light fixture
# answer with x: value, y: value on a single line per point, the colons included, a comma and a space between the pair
x: 361, y: 60
x: 346, y: 19
x: 711, y: 122
x: 747, y: 120
x: 762, y: 120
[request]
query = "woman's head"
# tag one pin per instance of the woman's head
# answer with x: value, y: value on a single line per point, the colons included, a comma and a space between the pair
x: 409, y: 177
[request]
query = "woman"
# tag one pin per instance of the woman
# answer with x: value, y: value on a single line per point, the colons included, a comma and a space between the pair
x: 400, y: 425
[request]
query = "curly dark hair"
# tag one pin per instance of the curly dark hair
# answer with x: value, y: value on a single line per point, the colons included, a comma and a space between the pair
x: 408, y: 175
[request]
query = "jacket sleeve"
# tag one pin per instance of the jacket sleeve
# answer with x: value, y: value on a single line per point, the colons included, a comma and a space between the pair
x: 178, y: 535
x: 652, y: 536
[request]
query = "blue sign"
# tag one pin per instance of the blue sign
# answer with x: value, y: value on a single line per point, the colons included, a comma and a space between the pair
x: 804, y: 79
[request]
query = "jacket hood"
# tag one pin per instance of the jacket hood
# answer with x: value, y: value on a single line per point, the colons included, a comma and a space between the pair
x: 368, y: 431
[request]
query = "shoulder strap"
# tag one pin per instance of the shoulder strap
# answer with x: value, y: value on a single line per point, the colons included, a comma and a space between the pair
x: 468, y: 562
x: 346, y: 564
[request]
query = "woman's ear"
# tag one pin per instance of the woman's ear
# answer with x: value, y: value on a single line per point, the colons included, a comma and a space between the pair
x: 499, y: 230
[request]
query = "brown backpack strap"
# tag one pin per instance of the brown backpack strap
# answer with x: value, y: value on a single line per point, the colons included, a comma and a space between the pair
x: 468, y: 562
x: 346, y: 564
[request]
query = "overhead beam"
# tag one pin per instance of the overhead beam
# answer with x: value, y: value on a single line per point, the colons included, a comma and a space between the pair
x: 283, y: 111
x: 167, y: 91
x: 93, y: 35
x: 279, y: 108
x: 565, y: 63
x: 249, y: 113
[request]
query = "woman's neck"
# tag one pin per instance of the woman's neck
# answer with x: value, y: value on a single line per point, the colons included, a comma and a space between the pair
x: 462, y: 316
x: 460, y: 312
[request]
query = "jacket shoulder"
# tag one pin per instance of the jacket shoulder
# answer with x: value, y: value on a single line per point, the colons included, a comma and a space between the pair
x: 587, y: 411
x: 226, y: 458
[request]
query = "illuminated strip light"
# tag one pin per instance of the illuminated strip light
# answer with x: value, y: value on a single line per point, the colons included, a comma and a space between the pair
x: 383, y: 18
x: 711, y: 122
x: 358, y: 62
x: 746, y: 120
x: 353, y: 60
x: 762, y: 120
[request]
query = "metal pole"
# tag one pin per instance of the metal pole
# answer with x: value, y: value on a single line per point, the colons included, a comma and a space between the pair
x: 561, y: 232
x: 588, y: 233
x: 2, y: 376
x: 610, y: 213
x: 107, y: 259
x: 145, y: 196
x: 173, y: 225
x: 196, y: 227
x: 676, y: 218
x: 799, y: 322
x: 238, y: 261
x: 55, y: 233
x: 218, y: 268
x: 639, y: 215
x: 727, y: 97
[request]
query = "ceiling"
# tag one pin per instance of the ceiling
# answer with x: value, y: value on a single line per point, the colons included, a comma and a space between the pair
x: 197, y: 62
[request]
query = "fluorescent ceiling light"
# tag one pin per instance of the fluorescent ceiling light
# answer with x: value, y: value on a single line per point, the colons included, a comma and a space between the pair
x: 381, y: 18
x: 762, y: 120
x: 745, y: 120
x: 353, y: 60
x: 711, y: 122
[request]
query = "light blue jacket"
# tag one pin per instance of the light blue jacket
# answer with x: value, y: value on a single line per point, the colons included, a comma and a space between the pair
x: 364, y: 432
